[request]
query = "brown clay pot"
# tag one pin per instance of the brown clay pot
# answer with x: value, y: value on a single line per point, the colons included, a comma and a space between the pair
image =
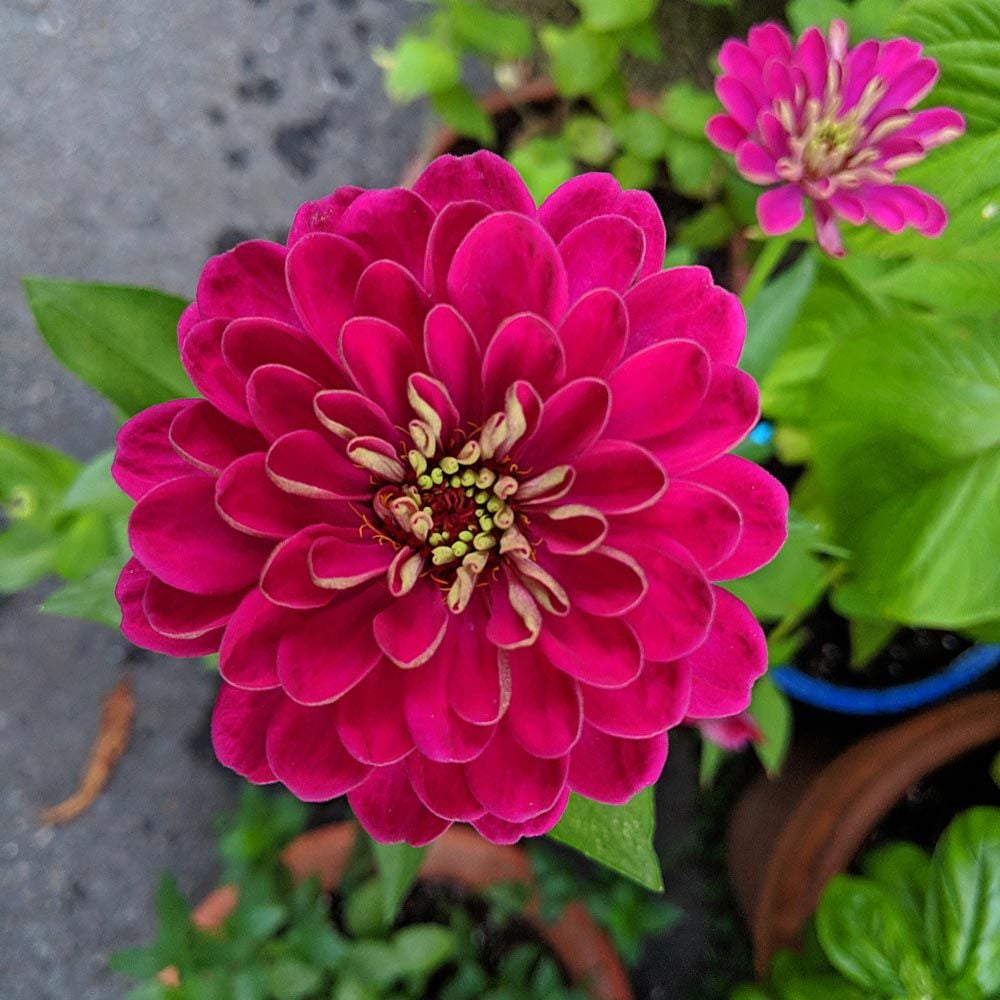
x: 816, y: 827
x: 461, y: 856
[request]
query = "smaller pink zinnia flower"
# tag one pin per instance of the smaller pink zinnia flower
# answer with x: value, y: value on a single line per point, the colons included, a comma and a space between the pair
x: 833, y: 125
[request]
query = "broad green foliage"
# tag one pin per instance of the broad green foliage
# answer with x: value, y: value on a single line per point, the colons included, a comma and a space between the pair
x: 964, y: 37
x: 280, y: 942
x: 620, y: 837
x: 912, y: 927
x: 120, y: 340
x: 911, y: 489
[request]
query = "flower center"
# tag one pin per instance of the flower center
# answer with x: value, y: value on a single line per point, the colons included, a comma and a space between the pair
x: 829, y: 146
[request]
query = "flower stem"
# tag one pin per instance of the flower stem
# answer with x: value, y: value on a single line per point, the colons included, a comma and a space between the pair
x: 769, y: 258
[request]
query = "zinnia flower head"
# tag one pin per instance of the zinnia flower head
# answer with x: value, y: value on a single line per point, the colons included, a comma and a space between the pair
x: 455, y: 500
x: 833, y: 125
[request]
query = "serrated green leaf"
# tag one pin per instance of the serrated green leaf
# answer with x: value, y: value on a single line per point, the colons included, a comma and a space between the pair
x: 619, y: 837
x: 419, y: 66
x: 397, y: 866
x: 911, y: 490
x: 963, y: 36
x: 119, y: 339
x: 580, y: 60
x: 963, y: 901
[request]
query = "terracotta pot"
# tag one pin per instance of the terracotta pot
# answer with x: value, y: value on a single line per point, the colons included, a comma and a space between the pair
x: 817, y: 826
x: 461, y: 856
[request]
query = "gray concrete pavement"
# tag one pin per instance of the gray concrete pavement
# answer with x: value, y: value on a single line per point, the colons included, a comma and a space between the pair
x: 136, y: 138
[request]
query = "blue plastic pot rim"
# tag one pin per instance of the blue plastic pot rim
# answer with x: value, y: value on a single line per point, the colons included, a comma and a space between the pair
x: 963, y: 671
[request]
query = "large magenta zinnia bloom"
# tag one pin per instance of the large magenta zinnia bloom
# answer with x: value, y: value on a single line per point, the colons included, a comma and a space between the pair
x: 454, y: 500
x: 831, y: 125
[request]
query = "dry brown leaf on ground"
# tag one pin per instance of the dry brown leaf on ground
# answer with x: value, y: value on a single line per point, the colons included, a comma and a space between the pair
x: 108, y: 746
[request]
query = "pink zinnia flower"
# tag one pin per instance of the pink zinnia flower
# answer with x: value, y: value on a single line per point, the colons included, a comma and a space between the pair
x: 833, y: 125
x: 454, y: 500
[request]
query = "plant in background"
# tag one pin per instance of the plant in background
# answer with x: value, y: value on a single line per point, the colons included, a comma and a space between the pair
x: 630, y: 914
x: 911, y: 926
x: 281, y: 941
x: 599, y: 124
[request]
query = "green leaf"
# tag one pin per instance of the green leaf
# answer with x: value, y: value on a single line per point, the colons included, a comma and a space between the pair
x: 27, y: 553
x: 865, y: 18
x: 709, y: 762
x: 772, y: 314
x: 632, y: 172
x: 642, y: 134
x: 94, y: 489
x: 963, y: 36
x: 686, y: 108
x: 365, y: 910
x: 374, y: 962
x: 397, y: 866
x: 966, y: 287
x: 904, y: 871
x: 580, y: 60
x: 492, y: 32
x: 610, y: 15
x: 589, y: 139
x: 911, y: 489
x: 288, y: 979
x: 419, y: 66
x: 643, y: 41
x: 868, y: 638
x: 868, y: 940
x: 459, y: 110
x: 120, y: 340
x: 619, y: 837
x: 695, y: 169
x: 84, y: 543
x: 710, y: 228
x: 422, y: 948
x: 769, y: 708
x: 963, y: 900
x: 32, y: 476
x: 792, y: 582
x: 544, y: 163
